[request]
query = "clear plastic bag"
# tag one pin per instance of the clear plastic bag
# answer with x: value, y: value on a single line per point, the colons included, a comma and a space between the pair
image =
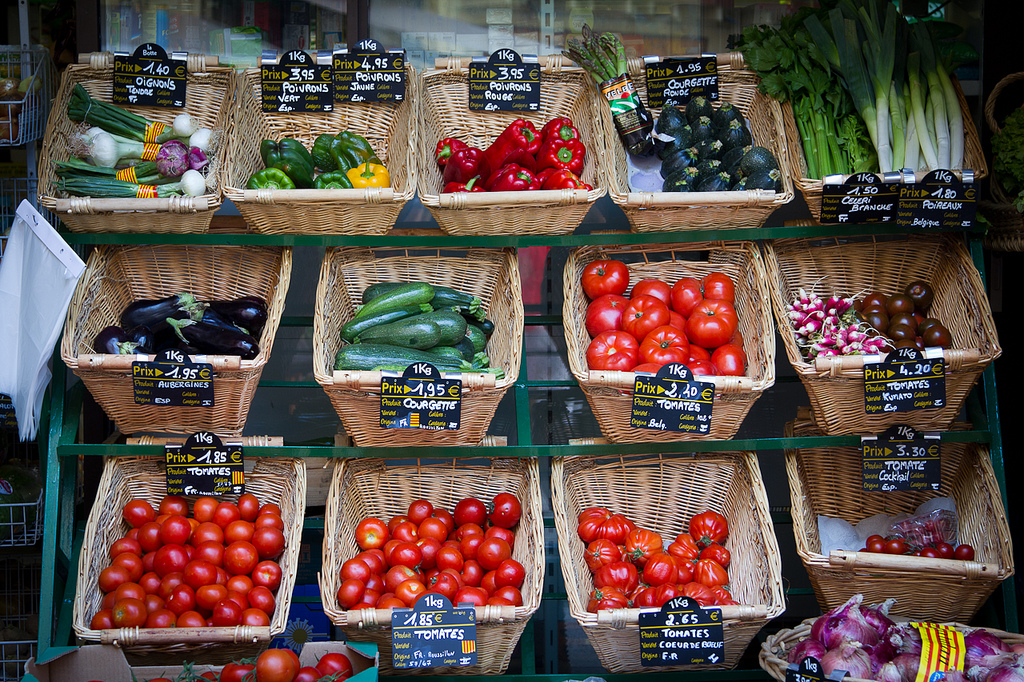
x: 38, y: 274
x: 927, y: 527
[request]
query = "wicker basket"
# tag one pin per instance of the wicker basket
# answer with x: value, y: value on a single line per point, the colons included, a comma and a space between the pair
x: 926, y: 589
x: 117, y: 276
x: 811, y: 188
x: 373, y: 487
x: 775, y: 649
x: 389, y: 127
x: 444, y: 112
x: 674, y: 211
x: 835, y: 385
x: 493, y: 276
x: 281, y: 481
x: 611, y: 393
x: 209, y: 102
x: 729, y: 483
x: 1007, y: 230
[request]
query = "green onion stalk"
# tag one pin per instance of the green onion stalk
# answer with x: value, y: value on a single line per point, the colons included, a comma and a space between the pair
x: 118, y: 121
x: 192, y: 183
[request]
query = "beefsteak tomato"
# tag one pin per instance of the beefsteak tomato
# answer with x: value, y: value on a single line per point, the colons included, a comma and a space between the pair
x: 664, y: 345
x: 602, y: 277
x: 614, y: 351
x: 643, y: 315
x: 711, y: 323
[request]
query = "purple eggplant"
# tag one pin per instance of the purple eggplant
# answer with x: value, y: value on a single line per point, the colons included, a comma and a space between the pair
x: 153, y: 314
x: 114, y: 340
x: 212, y: 317
x: 246, y: 312
x: 215, y: 340
x: 144, y: 338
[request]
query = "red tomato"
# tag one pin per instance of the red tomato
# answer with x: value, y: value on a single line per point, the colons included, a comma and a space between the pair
x: 730, y: 360
x: 138, y: 512
x: 150, y: 582
x: 660, y: 569
x: 129, y: 613
x: 711, y: 323
x: 420, y: 510
x: 409, y: 591
x: 676, y: 320
x: 433, y: 528
x: 130, y: 591
x: 472, y: 573
x: 269, y: 542
x: 663, y: 593
x: 964, y: 552
x: 503, y: 533
x: 160, y: 618
x: 335, y: 663
x: 240, y: 558
x: 598, y: 522
x: 261, y: 598
x: 306, y: 673
x: 945, y: 550
x: 446, y: 584
x: 132, y: 562
x: 428, y: 552
x: 722, y: 596
x: 103, y: 620
x: 125, y: 545
x: 268, y: 574
x: 445, y: 516
x: 607, y: 598
x: 269, y: 520
x: 896, y: 546
x: 225, y: 513
x: 226, y: 614
x: 238, y: 530
x: 686, y: 294
x: 248, y: 507
x: 470, y: 510
x: 208, y: 596
x: 270, y: 508
x: 407, y: 554
x: 641, y: 544
x: 700, y: 592
x: 737, y: 339
x: 613, y: 351
x: 170, y: 559
x: 355, y: 568
x: 169, y: 582
x: 491, y: 552
x: 199, y: 573
x: 182, y: 599
x: 506, y: 510
x: 698, y: 353
x: 719, y: 286
x: 488, y: 584
x: 601, y: 552
x: 703, y: 368
x: 466, y: 529
x: 236, y: 672
x: 203, y: 508
x: 620, y: 574
x: 664, y: 345
x: 602, y: 277
x: 240, y: 583
x: 509, y: 593
x: 649, y: 367
x: 397, y: 575
x: 254, y: 617
x: 653, y: 287
x: 371, y: 533
x: 449, y: 557
x: 642, y: 315
x: 275, y: 665
x: 708, y: 527
x: 509, y: 572
x: 174, y: 504
x: 207, y: 532
x: 471, y: 595
x: 470, y: 544
x: 210, y: 551
x: 194, y: 619
x: 717, y: 553
x: 605, y: 314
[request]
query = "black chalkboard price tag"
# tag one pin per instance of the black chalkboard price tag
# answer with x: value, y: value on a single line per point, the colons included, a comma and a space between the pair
x: 7, y: 418
x: 504, y: 82
x: 905, y: 381
x: 420, y: 398
x: 149, y: 77
x: 681, y: 633
x: 810, y: 670
x: 368, y: 73
x: 941, y: 201
x: 860, y: 198
x: 297, y: 83
x: 901, y: 458
x: 204, y: 465
x: 672, y: 400
x: 677, y: 81
x: 172, y: 379
x: 433, y: 634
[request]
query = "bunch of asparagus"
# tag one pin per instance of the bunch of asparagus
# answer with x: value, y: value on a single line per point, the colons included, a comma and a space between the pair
x: 604, y: 56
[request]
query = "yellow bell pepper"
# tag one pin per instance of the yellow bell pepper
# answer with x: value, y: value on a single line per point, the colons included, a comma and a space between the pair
x: 369, y: 175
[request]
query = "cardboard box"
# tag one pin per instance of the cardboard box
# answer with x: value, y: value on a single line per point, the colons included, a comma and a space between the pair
x: 105, y: 662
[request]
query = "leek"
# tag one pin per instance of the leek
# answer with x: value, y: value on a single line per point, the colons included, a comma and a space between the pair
x: 917, y: 109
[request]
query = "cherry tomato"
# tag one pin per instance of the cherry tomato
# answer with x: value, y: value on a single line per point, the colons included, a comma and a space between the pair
x: 944, y: 549
x: 653, y: 287
x: 964, y: 552
x: 896, y: 546
x: 602, y: 277
x: 929, y: 552
x: 876, y: 545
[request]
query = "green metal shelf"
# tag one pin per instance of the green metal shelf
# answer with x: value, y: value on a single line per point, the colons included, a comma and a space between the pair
x: 59, y: 428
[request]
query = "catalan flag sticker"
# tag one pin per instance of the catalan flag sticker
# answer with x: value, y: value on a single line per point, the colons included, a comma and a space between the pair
x: 469, y: 647
x: 942, y: 648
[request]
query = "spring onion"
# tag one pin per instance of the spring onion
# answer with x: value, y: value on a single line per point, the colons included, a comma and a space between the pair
x: 192, y: 183
x: 202, y: 139
x: 118, y: 121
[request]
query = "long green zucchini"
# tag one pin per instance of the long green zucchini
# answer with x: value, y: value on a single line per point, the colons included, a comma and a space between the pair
x: 414, y: 332
x: 412, y: 293
x: 367, y: 356
x: 355, y: 327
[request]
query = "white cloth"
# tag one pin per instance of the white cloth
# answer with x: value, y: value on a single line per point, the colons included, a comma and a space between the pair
x: 38, y: 274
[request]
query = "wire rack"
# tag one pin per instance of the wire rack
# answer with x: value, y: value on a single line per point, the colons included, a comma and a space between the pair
x: 24, y: 120
x: 20, y: 580
x: 12, y: 191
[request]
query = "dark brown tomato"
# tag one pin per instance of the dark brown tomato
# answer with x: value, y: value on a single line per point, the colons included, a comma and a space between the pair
x: 898, y: 332
x: 937, y: 335
x: 875, y: 298
x: 900, y: 303
x: 905, y: 319
x: 921, y: 292
x: 877, y: 318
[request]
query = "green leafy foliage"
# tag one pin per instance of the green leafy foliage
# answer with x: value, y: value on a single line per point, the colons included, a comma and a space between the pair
x: 1008, y: 150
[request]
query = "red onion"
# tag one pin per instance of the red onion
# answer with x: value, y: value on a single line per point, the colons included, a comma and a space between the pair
x: 905, y: 638
x: 877, y: 616
x: 907, y: 664
x: 845, y: 625
x: 172, y: 159
x: 955, y: 676
x: 808, y: 647
x: 879, y: 654
x: 1007, y: 672
x: 981, y: 643
x: 197, y: 159
x: 849, y: 657
x: 889, y: 673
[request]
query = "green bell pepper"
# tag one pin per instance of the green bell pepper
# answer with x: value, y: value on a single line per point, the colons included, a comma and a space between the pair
x: 300, y: 173
x: 321, y: 153
x: 350, y: 150
x: 287, y: 149
x: 332, y: 180
x: 270, y: 178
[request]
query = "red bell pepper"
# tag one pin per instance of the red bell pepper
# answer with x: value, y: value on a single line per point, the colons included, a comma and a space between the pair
x: 446, y: 147
x: 519, y: 140
x: 559, y: 153
x: 511, y: 178
x: 564, y: 179
x: 474, y: 185
x: 560, y: 127
x: 466, y: 164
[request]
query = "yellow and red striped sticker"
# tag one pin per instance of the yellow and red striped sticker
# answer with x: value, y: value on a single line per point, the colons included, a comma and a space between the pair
x: 153, y: 131
x: 942, y: 648
x: 149, y: 151
x: 127, y: 174
x: 146, y: 192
